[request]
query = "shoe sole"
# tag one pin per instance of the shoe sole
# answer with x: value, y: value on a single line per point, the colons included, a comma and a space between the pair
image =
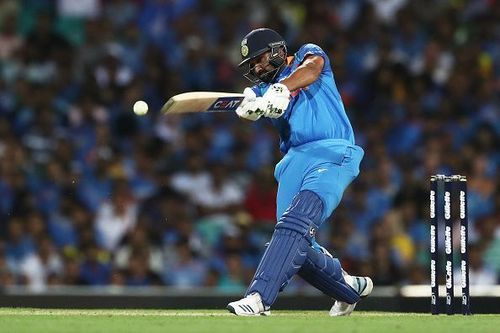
x: 347, y: 312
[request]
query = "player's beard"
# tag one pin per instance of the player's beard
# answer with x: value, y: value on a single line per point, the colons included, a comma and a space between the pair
x: 268, y: 77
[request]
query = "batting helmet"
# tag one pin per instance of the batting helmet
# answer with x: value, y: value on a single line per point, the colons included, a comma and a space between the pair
x: 258, y: 42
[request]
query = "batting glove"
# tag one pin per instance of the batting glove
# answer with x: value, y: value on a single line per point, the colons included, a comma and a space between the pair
x: 247, y: 108
x: 275, y: 100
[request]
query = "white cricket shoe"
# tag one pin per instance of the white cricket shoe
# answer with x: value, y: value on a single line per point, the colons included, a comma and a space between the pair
x: 362, y: 284
x: 249, y: 306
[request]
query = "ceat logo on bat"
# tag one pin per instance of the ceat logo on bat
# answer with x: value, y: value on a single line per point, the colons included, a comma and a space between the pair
x: 226, y: 103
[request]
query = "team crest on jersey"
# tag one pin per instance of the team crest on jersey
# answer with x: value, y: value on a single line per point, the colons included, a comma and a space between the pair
x: 244, y: 47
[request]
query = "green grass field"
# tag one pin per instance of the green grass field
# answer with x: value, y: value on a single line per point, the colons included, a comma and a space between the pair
x: 219, y: 321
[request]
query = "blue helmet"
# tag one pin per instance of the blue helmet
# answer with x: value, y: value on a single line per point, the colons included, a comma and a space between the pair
x: 258, y: 42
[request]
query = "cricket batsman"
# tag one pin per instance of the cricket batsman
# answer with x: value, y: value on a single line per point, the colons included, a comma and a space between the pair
x: 299, y: 95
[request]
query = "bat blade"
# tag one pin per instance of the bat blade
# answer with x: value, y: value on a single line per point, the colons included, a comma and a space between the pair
x: 202, y: 101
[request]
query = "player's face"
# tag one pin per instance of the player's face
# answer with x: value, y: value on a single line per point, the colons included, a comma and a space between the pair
x: 260, y: 66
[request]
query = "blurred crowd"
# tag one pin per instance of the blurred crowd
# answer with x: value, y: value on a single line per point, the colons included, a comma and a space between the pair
x: 92, y: 194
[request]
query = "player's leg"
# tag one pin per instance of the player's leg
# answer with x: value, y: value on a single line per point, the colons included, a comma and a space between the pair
x: 286, y: 251
x: 324, y: 272
x: 320, y: 269
x: 279, y: 262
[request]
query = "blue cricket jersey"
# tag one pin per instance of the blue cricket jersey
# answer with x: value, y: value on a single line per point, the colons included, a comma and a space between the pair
x: 315, y: 112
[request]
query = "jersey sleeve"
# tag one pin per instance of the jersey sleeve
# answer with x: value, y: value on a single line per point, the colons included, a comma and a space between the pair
x: 260, y: 89
x: 257, y: 91
x: 311, y: 49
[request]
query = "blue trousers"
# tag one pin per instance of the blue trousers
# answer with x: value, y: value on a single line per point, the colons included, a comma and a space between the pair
x: 320, y: 171
x: 325, y: 167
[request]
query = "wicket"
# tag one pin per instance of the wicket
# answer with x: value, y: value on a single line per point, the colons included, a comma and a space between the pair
x: 445, y: 184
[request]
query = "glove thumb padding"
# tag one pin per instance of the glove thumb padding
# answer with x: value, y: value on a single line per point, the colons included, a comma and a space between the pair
x: 246, y: 109
x: 250, y: 95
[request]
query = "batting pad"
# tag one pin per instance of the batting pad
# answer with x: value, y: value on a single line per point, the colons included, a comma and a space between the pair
x: 288, y: 248
x: 325, y: 273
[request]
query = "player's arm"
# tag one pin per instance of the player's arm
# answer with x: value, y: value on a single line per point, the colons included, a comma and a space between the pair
x: 277, y: 97
x: 308, y: 72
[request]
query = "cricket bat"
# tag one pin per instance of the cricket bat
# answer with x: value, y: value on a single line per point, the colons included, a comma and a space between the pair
x: 202, y: 101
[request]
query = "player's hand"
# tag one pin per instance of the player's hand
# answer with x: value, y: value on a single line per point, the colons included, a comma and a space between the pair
x: 247, y: 108
x: 275, y: 101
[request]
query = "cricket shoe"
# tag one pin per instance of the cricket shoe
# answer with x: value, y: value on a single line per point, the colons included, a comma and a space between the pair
x: 249, y: 306
x: 362, y: 284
